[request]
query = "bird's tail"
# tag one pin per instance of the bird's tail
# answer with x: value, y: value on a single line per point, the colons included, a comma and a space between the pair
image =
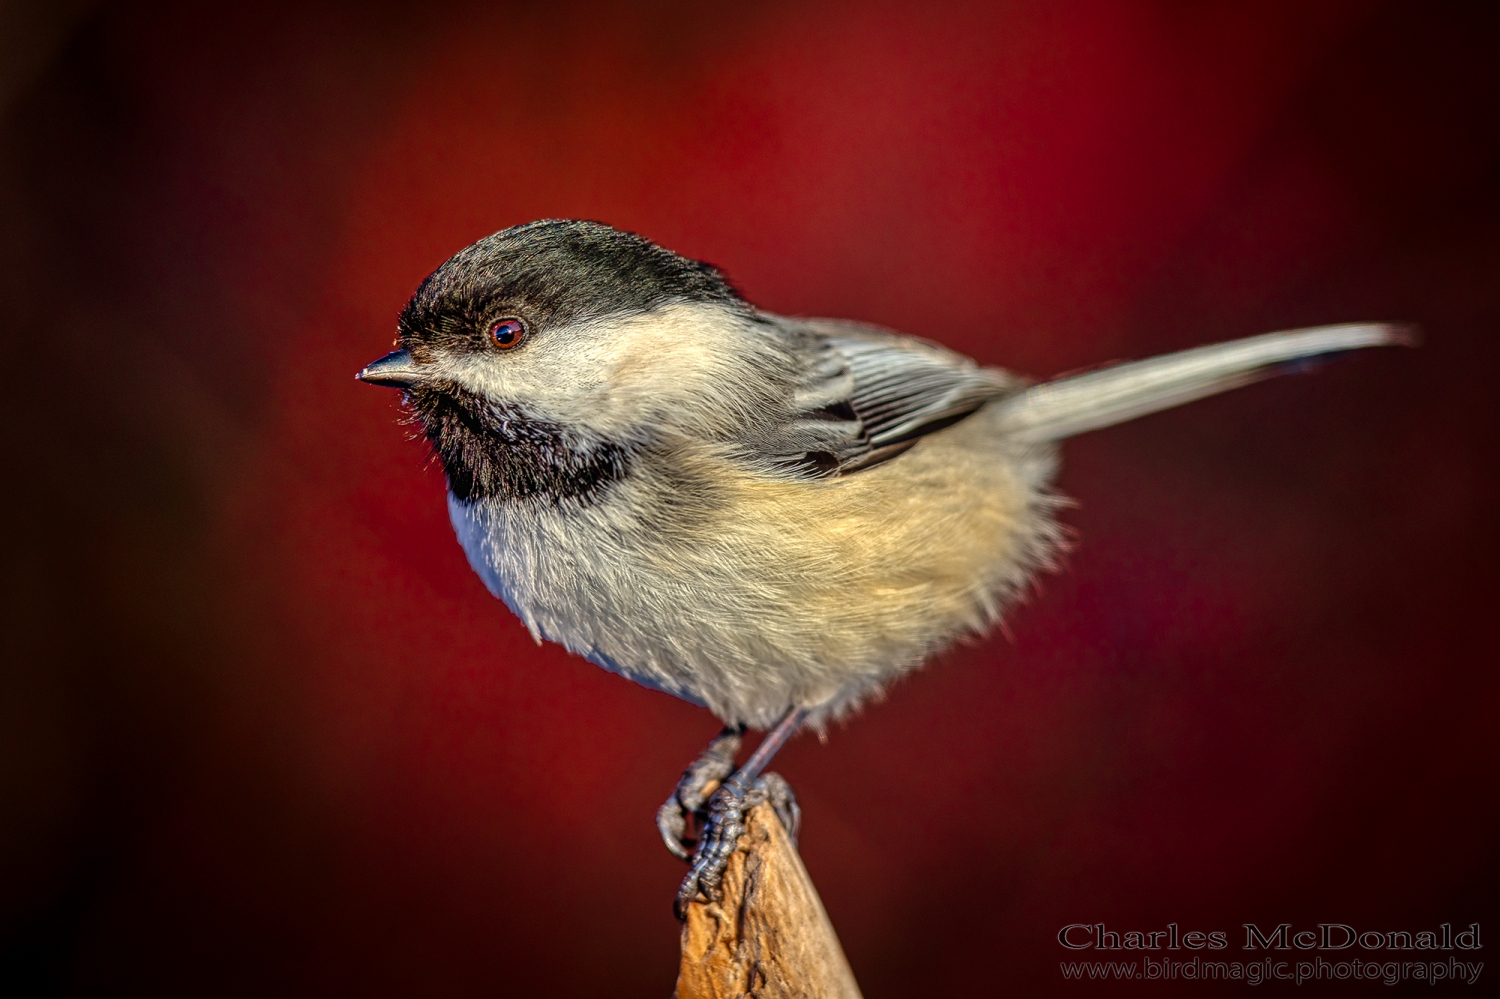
x: 1071, y: 405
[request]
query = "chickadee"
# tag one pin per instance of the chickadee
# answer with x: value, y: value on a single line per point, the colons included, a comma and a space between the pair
x: 770, y: 517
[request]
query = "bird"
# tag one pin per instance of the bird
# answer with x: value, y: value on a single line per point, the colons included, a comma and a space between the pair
x: 768, y: 516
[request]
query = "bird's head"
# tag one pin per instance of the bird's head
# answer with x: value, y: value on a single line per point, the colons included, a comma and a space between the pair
x: 537, y: 359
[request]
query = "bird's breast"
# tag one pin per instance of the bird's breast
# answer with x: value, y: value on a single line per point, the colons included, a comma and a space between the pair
x: 750, y: 592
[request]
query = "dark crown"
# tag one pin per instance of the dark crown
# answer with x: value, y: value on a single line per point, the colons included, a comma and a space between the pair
x: 553, y: 272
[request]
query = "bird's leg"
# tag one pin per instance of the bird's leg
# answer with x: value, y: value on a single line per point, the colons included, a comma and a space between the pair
x: 725, y: 822
x: 702, y: 777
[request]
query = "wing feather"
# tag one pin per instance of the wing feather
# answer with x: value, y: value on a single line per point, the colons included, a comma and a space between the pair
x: 870, y: 394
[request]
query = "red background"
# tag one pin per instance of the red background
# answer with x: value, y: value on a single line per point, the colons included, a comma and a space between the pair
x: 265, y: 733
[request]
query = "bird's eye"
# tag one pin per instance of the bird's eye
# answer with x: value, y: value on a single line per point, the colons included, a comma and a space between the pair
x: 508, y: 333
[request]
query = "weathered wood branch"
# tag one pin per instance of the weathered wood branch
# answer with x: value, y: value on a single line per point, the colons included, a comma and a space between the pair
x: 768, y: 938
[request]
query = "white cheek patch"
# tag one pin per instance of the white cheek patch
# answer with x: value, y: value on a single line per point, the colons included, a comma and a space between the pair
x: 547, y: 387
x: 673, y: 356
x: 684, y: 365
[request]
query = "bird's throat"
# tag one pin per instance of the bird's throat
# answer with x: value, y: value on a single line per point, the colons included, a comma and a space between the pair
x: 492, y: 451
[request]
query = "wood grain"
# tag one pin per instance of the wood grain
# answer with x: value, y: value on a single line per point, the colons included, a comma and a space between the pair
x: 768, y: 938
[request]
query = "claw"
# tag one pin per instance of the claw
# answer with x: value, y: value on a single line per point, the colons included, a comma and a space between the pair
x: 671, y: 822
x: 723, y: 821
x: 782, y: 798
x: 699, y: 780
x: 723, y: 828
x: 721, y: 834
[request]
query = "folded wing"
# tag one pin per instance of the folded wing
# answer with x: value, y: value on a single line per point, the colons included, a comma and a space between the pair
x: 869, y: 395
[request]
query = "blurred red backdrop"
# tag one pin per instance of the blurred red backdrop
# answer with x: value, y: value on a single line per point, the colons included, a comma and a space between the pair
x: 265, y: 733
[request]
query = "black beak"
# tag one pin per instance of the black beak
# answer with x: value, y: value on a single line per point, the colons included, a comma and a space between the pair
x: 394, y: 370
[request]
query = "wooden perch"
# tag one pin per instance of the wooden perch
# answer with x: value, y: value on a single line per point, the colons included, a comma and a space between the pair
x: 769, y: 937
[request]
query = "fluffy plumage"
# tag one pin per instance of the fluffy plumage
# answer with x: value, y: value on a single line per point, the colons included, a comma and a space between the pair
x: 748, y: 511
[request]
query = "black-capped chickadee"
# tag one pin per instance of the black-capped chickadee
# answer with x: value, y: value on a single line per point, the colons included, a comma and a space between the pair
x: 767, y: 516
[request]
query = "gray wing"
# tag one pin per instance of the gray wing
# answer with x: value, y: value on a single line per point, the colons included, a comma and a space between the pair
x: 869, y: 394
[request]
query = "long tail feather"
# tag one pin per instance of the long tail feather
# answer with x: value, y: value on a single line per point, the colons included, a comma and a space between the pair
x: 1057, y: 409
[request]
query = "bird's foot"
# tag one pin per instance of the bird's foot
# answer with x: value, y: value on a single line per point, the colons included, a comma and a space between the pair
x: 702, y: 777
x: 784, y: 802
x: 723, y: 825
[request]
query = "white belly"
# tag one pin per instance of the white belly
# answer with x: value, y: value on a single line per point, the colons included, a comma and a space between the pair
x: 751, y: 594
